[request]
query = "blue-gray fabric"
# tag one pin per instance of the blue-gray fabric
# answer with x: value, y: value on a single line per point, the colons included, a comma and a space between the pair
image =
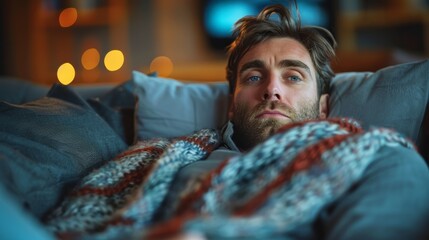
x: 16, y: 223
x: 391, y: 201
x: 394, y: 97
x: 49, y: 144
x: 14, y: 90
x: 170, y: 108
x: 116, y: 107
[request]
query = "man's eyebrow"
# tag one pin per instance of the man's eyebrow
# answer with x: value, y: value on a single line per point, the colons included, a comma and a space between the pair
x: 283, y: 63
x: 252, y: 64
x: 295, y: 63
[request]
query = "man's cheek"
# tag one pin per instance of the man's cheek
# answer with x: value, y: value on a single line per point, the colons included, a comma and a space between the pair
x: 245, y: 99
x: 244, y: 93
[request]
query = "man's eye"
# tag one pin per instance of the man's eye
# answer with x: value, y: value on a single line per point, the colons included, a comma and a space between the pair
x: 253, y: 79
x: 294, y: 79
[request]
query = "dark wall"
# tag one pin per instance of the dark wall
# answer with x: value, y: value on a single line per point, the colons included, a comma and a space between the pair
x: 3, y: 41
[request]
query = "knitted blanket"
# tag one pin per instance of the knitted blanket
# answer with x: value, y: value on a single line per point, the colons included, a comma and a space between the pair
x: 275, y: 187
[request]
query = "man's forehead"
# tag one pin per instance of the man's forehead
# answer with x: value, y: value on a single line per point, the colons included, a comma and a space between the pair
x: 277, y: 51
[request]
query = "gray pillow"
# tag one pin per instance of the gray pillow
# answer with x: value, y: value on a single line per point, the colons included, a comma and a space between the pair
x: 170, y: 108
x: 47, y: 145
x: 394, y: 97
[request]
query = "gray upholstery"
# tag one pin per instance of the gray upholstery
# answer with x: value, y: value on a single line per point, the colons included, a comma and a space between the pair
x: 49, y: 144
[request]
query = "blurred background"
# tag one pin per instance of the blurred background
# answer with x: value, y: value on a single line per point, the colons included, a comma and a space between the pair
x: 99, y: 41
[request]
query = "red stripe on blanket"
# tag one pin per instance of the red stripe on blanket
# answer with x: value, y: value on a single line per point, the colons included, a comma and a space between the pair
x: 156, y: 151
x: 346, y: 125
x: 170, y: 228
x: 136, y: 176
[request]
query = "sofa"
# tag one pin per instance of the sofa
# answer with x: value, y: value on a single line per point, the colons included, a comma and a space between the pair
x: 53, y: 136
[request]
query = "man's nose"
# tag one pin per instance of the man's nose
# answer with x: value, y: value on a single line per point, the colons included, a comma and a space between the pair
x: 272, y: 90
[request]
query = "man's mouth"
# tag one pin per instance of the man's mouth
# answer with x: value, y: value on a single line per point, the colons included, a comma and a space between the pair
x: 272, y: 114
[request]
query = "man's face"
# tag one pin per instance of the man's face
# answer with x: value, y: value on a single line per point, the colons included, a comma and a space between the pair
x: 276, y: 84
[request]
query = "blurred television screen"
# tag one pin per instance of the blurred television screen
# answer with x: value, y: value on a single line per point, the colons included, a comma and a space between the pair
x: 219, y: 16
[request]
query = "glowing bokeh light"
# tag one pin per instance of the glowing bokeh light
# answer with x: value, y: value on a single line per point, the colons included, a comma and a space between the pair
x: 68, y: 17
x: 162, y: 65
x: 66, y: 73
x: 114, y: 60
x: 90, y: 58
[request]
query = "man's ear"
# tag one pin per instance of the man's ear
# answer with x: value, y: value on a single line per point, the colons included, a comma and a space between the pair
x: 324, y: 106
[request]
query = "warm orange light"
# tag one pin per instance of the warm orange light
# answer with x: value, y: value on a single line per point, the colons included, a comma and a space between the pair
x: 68, y: 17
x: 162, y: 65
x: 90, y: 58
x: 114, y: 60
x: 66, y: 73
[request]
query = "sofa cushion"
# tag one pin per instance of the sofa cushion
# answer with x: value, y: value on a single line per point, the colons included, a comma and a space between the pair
x: 170, y: 108
x: 47, y: 145
x: 394, y: 97
x: 14, y: 90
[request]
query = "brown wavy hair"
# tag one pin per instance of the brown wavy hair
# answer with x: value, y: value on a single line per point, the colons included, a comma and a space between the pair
x: 251, y: 30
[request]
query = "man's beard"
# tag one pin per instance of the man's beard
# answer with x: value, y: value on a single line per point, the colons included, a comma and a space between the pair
x: 250, y: 130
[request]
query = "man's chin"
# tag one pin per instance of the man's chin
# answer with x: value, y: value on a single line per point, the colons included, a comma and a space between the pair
x: 271, y: 126
x: 275, y: 122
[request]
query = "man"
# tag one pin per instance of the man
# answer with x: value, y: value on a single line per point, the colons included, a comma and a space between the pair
x: 280, y: 171
x: 279, y: 73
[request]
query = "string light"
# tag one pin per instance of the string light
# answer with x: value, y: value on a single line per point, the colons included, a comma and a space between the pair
x: 114, y: 60
x: 68, y: 17
x: 66, y: 73
x: 90, y: 58
x: 162, y: 65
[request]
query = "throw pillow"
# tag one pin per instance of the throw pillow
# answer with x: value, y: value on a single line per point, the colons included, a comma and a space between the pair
x: 170, y: 108
x: 49, y: 144
x: 393, y: 97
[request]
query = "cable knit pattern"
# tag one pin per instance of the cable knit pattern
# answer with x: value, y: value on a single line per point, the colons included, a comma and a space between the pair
x: 133, y: 184
x: 278, y: 185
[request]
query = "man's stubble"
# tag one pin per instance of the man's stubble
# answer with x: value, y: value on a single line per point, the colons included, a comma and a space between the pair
x: 250, y: 130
